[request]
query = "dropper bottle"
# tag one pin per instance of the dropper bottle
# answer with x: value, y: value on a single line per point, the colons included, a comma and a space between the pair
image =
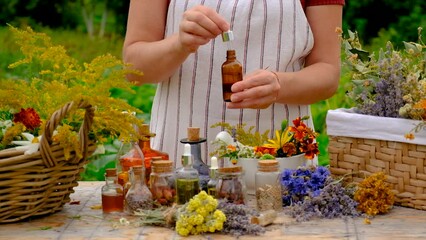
x: 187, y: 178
x: 232, y: 70
x: 211, y: 185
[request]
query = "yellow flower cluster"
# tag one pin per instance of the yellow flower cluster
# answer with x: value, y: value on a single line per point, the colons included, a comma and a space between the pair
x: 374, y: 195
x: 200, y: 215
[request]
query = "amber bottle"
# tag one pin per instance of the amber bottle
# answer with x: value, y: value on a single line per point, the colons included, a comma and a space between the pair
x: 232, y: 72
x: 112, y: 193
x: 149, y: 153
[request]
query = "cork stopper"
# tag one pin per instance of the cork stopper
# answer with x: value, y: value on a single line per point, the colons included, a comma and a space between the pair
x: 268, y: 165
x: 193, y: 134
x: 235, y: 169
x: 137, y: 169
x: 162, y: 166
x: 110, y: 172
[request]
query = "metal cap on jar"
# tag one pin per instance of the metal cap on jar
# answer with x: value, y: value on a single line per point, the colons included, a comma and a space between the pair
x: 227, y: 36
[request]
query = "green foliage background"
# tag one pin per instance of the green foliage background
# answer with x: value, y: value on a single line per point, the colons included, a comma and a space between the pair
x: 376, y: 21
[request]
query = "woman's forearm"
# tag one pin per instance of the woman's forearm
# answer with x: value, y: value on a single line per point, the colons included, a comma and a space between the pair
x: 156, y: 60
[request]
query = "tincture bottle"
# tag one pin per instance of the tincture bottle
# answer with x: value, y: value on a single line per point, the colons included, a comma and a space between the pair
x: 232, y: 70
x: 187, y: 178
x: 267, y: 186
x: 211, y: 185
x: 149, y: 153
x: 112, y: 193
x: 162, y: 183
x: 138, y: 196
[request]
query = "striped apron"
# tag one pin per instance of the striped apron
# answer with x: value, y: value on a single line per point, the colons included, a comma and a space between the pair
x: 272, y: 34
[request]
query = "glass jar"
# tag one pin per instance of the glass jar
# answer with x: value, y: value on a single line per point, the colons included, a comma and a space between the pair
x: 162, y: 182
x: 231, y: 186
x: 138, y: 196
x: 112, y: 193
x: 267, y: 186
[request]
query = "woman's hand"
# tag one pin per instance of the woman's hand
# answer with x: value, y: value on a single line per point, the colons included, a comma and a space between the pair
x: 198, y: 26
x: 258, y: 90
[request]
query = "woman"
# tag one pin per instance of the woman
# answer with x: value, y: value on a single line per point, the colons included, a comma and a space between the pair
x: 288, y: 48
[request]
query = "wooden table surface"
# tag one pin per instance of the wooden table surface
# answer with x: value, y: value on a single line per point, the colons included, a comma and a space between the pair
x: 82, y: 221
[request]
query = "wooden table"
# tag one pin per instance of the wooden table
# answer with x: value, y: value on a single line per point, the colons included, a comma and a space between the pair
x: 84, y: 221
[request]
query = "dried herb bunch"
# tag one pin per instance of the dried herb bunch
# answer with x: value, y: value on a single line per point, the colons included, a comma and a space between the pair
x: 374, y: 195
x: 390, y: 83
x: 52, y: 79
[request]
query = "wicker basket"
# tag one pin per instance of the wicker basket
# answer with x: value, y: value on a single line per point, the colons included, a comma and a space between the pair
x: 361, y: 145
x: 40, y: 183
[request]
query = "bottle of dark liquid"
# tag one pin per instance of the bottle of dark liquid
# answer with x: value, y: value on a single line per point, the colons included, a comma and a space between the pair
x: 232, y: 72
x: 112, y: 193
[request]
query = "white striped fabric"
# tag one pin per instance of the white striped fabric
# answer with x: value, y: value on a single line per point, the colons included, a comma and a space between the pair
x: 271, y: 34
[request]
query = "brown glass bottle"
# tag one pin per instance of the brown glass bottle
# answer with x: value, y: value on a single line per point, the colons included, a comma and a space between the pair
x: 232, y: 72
x: 112, y: 193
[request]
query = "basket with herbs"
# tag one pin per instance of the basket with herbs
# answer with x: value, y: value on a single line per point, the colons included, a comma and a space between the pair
x: 52, y: 118
x: 384, y: 132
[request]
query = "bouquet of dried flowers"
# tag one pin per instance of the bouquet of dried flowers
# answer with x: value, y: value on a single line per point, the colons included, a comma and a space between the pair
x: 289, y: 141
x: 54, y: 79
x: 390, y: 83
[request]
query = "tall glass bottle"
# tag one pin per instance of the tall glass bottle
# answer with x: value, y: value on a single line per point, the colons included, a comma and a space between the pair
x: 268, y: 186
x: 149, y: 153
x: 138, y: 196
x: 112, y: 193
x: 232, y: 70
x: 187, y: 178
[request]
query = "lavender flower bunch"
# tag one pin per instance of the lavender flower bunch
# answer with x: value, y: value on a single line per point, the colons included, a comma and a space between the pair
x: 238, y: 219
x: 302, y: 182
x: 334, y: 201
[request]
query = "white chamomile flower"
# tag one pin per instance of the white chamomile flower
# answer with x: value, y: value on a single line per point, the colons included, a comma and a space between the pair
x: 30, y: 146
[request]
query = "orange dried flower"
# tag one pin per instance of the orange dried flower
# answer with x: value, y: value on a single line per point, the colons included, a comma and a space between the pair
x: 28, y: 117
x: 374, y: 195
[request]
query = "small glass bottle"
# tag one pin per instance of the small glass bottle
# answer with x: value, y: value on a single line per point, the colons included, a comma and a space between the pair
x: 112, y: 193
x: 187, y: 178
x: 267, y: 186
x: 138, y: 196
x: 162, y: 182
x: 232, y: 70
x: 231, y: 186
x: 128, y: 156
x: 211, y: 185
x: 148, y: 152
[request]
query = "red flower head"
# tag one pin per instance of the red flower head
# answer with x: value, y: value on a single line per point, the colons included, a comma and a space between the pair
x: 28, y: 117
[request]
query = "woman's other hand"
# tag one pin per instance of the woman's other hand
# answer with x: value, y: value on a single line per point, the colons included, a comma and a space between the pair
x: 258, y: 90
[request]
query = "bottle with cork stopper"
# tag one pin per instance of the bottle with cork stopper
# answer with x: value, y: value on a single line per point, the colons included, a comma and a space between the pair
x: 149, y: 153
x: 268, y: 186
x: 232, y: 70
x: 195, y: 141
x: 112, y: 193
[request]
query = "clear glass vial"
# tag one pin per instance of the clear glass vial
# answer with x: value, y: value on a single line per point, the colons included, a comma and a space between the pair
x: 268, y: 186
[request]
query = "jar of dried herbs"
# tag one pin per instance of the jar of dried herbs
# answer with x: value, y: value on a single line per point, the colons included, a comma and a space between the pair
x: 162, y: 182
x: 138, y: 196
x: 231, y: 186
x: 267, y: 185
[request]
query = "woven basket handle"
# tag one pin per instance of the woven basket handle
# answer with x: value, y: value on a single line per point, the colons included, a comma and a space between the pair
x: 45, y: 144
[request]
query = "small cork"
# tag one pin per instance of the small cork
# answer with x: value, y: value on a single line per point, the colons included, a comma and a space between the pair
x: 267, y: 163
x: 144, y: 129
x: 193, y: 134
x: 235, y: 169
x: 161, y: 166
x: 110, y: 172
